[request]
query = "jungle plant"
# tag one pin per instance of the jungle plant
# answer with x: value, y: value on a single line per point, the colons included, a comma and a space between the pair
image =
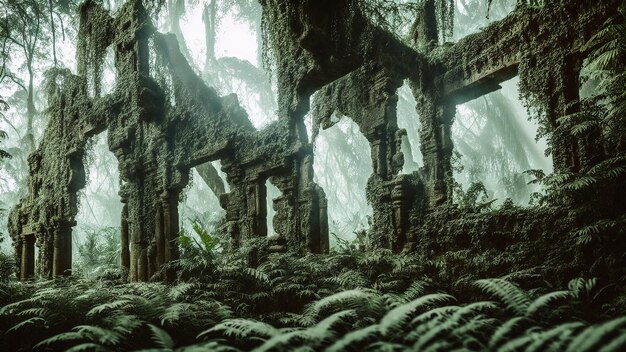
x: 99, y: 250
x: 80, y: 315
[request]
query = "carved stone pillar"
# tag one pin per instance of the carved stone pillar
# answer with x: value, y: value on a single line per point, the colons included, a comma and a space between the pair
x: 27, y: 269
x: 400, y: 203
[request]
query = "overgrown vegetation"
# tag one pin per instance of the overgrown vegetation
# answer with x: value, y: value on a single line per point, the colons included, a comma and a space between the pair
x: 352, y: 300
x: 345, y: 301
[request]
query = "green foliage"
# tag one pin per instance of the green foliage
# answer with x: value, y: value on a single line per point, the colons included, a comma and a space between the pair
x: 99, y: 251
x: 7, y: 266
x: 339, y: 302
x: 476, y: 198
x: 3, y: 135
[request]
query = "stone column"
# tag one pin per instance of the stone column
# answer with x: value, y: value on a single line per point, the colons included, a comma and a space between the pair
x: 124, y: 239
x: 62, y: 256
x: 323, y: 220
x: 160, y: 237
x: 27, y: 269
x: 256, y: 195
x: 170, y: 229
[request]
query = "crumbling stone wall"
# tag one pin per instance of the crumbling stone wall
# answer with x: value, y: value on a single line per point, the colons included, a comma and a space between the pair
x: 164, y: 120
x: 46, y: 216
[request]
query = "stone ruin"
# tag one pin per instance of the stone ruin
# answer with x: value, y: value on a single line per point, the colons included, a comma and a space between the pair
x: 163, y: 120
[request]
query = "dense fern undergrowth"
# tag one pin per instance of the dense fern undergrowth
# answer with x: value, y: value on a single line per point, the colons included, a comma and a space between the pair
x: 345, y: 301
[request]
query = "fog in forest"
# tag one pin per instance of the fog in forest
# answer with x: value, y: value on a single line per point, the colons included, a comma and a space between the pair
x: 312, y: 175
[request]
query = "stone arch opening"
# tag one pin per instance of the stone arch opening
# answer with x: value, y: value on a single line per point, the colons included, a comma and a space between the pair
x: 408, y: 120
x: 494, y: 143
x: 272, y: 195
x: 199, y: 208
x: 96, y: 235
x: 343, y: 164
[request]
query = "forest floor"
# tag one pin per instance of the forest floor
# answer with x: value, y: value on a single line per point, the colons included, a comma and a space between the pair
x: 344, y: 301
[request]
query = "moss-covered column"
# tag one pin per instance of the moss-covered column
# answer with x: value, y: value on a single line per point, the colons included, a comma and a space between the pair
x: 435, y: 113
x: 563, y: 101
x: 27, y: 268
x: 436, y: 117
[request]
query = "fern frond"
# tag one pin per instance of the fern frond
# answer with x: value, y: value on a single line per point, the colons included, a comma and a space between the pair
x: 108, y: 306
x: 258, y: 275
x: 590, y: 338
x: 28, y: 322
x: 544, y: 338
x: 351, y: 299
x: 101, y: 335
x: 504, y: 331
x: 160, y: 337
x: 63, y: 337
x: 349, y: 340
x: 414, y: 291
x: 543, y: 301
x: 89, y: 347
x: 510, y: 294
x: 393, y: 321
x: 617, y: 344
x: 243, y: 329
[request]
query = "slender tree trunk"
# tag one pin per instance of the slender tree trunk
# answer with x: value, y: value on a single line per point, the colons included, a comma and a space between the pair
x: 30, y: 110
x: 210, y: 33
x: 54, y: 39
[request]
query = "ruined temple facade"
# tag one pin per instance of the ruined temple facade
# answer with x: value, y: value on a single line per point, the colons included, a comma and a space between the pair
x: 163, y: 120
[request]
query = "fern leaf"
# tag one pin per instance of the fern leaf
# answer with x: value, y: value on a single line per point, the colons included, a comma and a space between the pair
x: 174, y: 312
x: 593, y: 336
x: 243, y: 329
x: 27, y: 322
x: 618, y: 344
x: 89, y: 346
x: 160, y: 337
x: 504, y: 331
x: 546, y: 337
x: 349, y: 340
x: 545, y: 300
x: 517, y: 343
x: 258, y: 275
x: 96, y: 333
x: 396, y: 318
x: 352, y: 299
x: 63, y: 337
x: 510, y: 294
x: 281, y: 341
x: 99, y: 309
x: 324, y: 330
x: 384, y: 346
